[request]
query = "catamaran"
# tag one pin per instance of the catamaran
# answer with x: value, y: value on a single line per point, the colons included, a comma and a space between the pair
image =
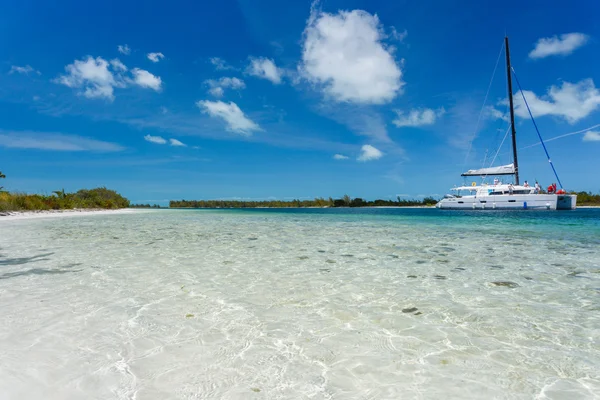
x: 507, y: 196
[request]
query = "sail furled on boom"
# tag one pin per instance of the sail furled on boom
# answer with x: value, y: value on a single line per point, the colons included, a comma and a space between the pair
x: 500, y: 170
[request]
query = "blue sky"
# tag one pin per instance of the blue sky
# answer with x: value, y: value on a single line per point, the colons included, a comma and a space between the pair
x: 271, y: 99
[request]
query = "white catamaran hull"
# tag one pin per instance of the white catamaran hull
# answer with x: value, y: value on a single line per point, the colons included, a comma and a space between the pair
x: 510, y: 202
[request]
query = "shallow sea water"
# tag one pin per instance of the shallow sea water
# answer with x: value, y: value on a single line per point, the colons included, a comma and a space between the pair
x: 301, y: 304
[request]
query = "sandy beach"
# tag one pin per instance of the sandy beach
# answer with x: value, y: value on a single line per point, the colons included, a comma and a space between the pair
x: 17, y: 215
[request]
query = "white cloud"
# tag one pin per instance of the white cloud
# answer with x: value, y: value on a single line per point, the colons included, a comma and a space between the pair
x: 92, y: 76
x: 233, y: 83
x: 344, y: 53
x: 493, y: 113
x: 340, y: 157
x: 558, y: 45
x: 220, y: 64
x: 571, y: 101
x: 217, y: 87
x: 145, y: 79
x: 155, y: 57
x: 264, y: 68
x: 161, y: 140
x: 591, y: 136
x: 118, y: 65
x: 399, y: 36
x: 216, y: 91
x: 97, y: 78
x: 23, y: 70
x: 175, y: 142
x: 231, y: 114
x: 368, y: 153
x: 417, y: 117
x: 124, y: 49
x: 54, y: 141
x: 155, y: 139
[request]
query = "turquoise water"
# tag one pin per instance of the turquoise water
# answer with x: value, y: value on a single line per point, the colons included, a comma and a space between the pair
x: 301, y: 304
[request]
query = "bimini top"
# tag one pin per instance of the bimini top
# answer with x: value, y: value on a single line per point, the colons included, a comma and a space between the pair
x: 501, y: 170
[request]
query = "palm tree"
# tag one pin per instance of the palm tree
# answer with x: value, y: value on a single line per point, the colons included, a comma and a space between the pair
x: 60, y: 193
x: 2, y: 176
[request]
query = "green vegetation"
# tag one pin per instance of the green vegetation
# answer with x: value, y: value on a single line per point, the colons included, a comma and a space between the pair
x: 144, y: 206
x: 59, y: 200
x: 345, y: 201
x: 587, y: 199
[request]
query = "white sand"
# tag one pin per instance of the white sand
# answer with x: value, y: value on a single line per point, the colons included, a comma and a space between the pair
x: 17, y: 215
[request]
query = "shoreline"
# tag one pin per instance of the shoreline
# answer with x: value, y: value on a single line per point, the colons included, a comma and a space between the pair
x: 282, y: 208
x: 35, y: 214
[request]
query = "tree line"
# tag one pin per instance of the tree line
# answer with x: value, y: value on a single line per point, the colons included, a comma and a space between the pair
x: 587, y: 199
x: 345, y: 201
x: 60, y: 200
x: 144, y: 206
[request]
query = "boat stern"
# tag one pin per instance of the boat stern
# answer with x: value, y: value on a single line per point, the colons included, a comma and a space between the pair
x: 566, y: 202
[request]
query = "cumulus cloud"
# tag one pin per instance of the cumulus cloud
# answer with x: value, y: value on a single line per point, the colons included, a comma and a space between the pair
x: 220, y: 64
x: 340, y: 157
x: 562, y: 45
x: 265, y: 68
x: 570, y: 101
x: 175, y: 142
x: 92, y: 76
x: 155, y: 57
x: 493, y: 113
x: 155, y: 139
x: 55, y: 141
x: 417, y: 117
x: 216, y: 91
x: 232, y: 115
x: 217, y: 87
x: 118, y: 65
x: 591, y: 136
x: 368, y: 153
x: 146, y: 80
x: 23, y: 70
x: 344, y: 54
x: 97, y: 78
x: 124, y: 49
x: 233, y: 83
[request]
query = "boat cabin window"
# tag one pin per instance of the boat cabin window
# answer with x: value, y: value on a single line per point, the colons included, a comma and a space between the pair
x: 527, y: 191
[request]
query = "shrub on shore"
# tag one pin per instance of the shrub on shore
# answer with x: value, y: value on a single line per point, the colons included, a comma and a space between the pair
x: 59, y: 200
x: 346, y: 201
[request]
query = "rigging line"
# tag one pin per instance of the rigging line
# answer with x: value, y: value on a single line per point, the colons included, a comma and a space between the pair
x: 562, y: 136
x: 499, y: 148
x: 483, y: 106
x: 536, y: 128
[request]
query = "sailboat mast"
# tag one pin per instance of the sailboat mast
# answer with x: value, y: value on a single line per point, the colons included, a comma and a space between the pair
x: 512, y: 111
